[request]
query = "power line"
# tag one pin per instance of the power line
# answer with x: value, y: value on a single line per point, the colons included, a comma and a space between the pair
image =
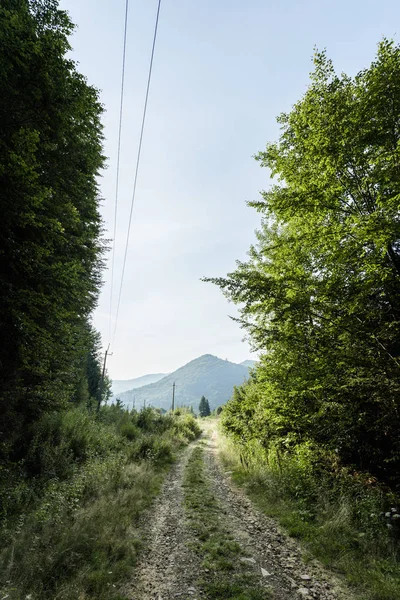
x: 137, y: 166
x: 118, y: 163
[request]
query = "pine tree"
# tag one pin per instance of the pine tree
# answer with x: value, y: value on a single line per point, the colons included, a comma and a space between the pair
x: 204, y: 407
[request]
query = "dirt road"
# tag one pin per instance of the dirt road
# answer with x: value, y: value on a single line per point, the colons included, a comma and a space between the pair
x: 173, y: 566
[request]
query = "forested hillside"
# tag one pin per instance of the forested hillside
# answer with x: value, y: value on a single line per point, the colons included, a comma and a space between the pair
x: 207, y: 375
x: 319, y: 298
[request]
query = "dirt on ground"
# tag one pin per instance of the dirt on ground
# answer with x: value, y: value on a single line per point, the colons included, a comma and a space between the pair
x: 169, y: 569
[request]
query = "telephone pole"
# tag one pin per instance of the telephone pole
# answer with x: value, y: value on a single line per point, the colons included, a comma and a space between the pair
x: 102, y: 379
x: 173, y: 396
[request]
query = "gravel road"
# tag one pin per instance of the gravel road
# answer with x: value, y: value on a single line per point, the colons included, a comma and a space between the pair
x: 169, y: 569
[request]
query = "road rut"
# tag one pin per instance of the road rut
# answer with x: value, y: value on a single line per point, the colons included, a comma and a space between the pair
x: 169, y: 568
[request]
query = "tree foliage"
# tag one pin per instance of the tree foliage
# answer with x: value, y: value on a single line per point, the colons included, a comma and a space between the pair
x: 50, y: 235
x: 320, y: 292
x: 204, y: 407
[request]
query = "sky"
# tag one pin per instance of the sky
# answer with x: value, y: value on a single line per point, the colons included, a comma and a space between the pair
x: 223, y: 71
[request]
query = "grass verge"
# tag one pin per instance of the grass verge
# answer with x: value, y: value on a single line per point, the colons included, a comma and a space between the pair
x: 365, y: 557
x: 226, y: 576
x: 75, y: 535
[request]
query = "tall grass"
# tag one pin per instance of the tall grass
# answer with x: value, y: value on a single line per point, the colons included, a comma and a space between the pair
x: 344, y: 519
x: 70, y: 512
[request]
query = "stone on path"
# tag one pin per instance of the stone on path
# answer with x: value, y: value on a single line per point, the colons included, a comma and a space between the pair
x: 265, y: 573
x: 245, y: 559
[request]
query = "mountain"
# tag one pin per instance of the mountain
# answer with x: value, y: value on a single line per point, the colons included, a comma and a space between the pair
x: 207, y: 376
x: 123, y: 385
x: 248, y: 363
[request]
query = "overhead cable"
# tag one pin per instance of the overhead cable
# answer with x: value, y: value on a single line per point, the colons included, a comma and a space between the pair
x: 137, y: 168
x: 118, y: 165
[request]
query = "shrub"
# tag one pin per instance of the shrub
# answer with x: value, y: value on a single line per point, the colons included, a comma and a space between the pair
x: 129, y: 430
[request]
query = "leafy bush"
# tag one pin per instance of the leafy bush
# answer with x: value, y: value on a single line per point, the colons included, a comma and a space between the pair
x: 186, y: 427
x: 60, y: 439
x: 129, y: 430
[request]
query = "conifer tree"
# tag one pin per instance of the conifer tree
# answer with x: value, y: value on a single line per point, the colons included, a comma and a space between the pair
x: 204, y: 407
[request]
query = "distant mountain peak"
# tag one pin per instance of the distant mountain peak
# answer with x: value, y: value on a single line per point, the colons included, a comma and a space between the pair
x: 207, y: 375
x: 204, y: 357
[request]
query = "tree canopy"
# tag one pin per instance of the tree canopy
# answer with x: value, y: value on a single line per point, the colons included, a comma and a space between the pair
x: 320, y: 293
x: 50, y: 235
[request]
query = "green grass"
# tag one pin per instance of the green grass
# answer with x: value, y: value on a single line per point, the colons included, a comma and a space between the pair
x: 365, y: 557
x: 85, y: 551
x: 226, y: 576
x: 76, y: 535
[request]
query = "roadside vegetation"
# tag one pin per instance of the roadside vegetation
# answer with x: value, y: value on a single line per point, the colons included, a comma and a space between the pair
x: 315, y: 429
x: 225, y: 575
x: 71, y: 531
x: 340, y: 519
x: 316, y: 426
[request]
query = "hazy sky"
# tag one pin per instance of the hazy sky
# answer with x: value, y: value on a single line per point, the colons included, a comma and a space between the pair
x: 223, y: 71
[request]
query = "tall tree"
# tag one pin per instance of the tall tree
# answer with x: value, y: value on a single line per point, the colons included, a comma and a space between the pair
x: 320, y: 294
x: 51, y: 249
x: 204, y: 407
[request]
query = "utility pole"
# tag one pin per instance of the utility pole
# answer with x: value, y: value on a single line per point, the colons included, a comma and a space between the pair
x: 102, y: 379
x: 173, y: 396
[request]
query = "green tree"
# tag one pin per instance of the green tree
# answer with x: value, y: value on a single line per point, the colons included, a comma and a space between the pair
x: 51, y: 249
x: 204, y: 407
x: 320, y: 293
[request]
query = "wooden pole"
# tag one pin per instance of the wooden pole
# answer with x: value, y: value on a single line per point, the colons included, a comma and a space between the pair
x: 102, y: 379
x: 173, y: 396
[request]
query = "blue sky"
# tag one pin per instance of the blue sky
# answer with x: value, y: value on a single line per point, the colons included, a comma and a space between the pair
x: 222, y: 73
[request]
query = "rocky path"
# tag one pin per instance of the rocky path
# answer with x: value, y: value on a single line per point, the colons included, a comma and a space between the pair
x: 170, y: 569
x: 276, y: 556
